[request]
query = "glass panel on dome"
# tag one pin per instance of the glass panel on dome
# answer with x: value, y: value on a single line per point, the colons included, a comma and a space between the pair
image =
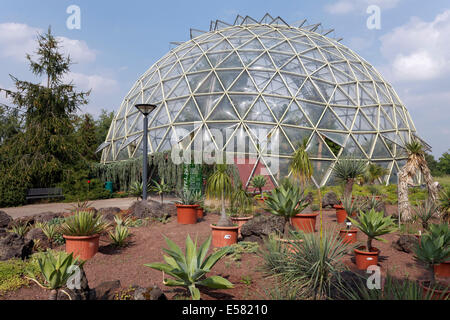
x: 277, y: 86
x: 278, y: 144
x: 402, y: 153
x: 103, y: 146
x: 330, y: 121
x: 394, y: 95
x: 385, y: 123
x: 347, y: 115
x: 320, y: 170
x: 150, y: 80
x: 277, y: 105
x: 365, y: 141
x: 296, y: 117
x: 318, y: 149
x: 221, y: 132
x: 156, y: 95
x: 294, y: 66
x: 269, y: 42
x: 241, y: 143
x: 232, y: 61
x: 392, y: 136
x: 340, y: 98
x: 326, y: 89
x: 361, y: 123
x: 372, y: 114
x: 300, y: 46
x: 263, y: 62
x: 381, y: 151
x: 405, y: 136
x: 244, y: 84
x: 216, y: 58
x: 130, y: 120
x: 176, y: 71
x: 249, y: 56
x: 223, y: 46
x: 280, y: 59
x: 175, y: 106
x: 389, y: 112
x: 311, y: 65
x: 167, y: 142
x: 195, y: 80
x: 181, y: 89
x: 411, y: 124
x: 283, y: 47
x: 331, y: 54
x: 253, y: 45
x: 238, y: 41
x: 309, y: 92
x: 351, y: 149
x: 261, y: 78
x: 324, y: 74
x: 224, y: 111
x: 314, y: 54
x: 338, y: 138
x: 340, y: 76
x: 227, y: 77
x: 344, y: 68
x: 401, y: 121
x: 314, y: 111
x: 350, y: 90
x: 200, y: 65
x: 161, y: 118
x: 364, y: 98
x: 242, y: 102
x: 359, y: 74
x: 210, y: 85
x: 297, y: 135
x: 293, y: 82
x: 207, y: 103
x: 260, y: 112
x: 189, y: 113
x: 156, y: 137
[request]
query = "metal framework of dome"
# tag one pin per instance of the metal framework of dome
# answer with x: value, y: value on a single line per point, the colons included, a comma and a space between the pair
x: 294, y: 81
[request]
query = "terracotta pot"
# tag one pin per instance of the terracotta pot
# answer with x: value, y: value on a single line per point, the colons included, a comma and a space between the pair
x: 261, y: 201
x: 289, y: 244
x: 341, y: 215
x: 442, y: 270
x: 83, y: 247
x: 200, y: 213
x: 435, y: 294
x: 240, y: 221
x: 364, y: 259
x: 224, y: 236
x: 338, y: 206
x: 349, y: 236
x: 305, y: 222
x: 187, y: 214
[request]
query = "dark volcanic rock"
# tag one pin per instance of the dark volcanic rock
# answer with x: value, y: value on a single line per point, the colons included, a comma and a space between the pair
x: 40, y: 217
x: 109, y: 213
x: 14, y: 246
x: 261, y: 226
x: 5, y: 219
x: 405, y: 243
x: 329, y: 200
x: 105, y: 291
x: 151, y: 209
x: 37, y: 234
x: 81, y: 291
x: 154, y: 293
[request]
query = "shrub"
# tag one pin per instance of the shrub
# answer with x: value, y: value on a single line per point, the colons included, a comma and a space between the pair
x: 83, y: 223
x: 120, y: 235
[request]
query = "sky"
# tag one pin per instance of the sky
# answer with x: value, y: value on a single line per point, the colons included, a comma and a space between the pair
x: 119, y: 40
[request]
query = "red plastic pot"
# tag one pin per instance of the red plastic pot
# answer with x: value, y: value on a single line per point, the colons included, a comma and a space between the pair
x: 289, y: 244
x: 187, y: 214
x: 442, y: 270
x: 224, y: 236
x: 349, y: 236
x: 82, y: 247
x: 435, y: 294
x: 240, y: 221
x: 200, y: 213
x: 364, y: 259
x: 305, y: 222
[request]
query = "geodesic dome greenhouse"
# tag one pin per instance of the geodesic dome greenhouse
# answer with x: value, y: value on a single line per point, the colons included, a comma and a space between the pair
x: 289, y: 82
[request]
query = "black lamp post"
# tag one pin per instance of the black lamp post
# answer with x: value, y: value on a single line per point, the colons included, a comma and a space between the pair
x: 145, y: 109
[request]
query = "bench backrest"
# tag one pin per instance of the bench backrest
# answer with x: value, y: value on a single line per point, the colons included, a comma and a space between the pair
x: 44, y: 191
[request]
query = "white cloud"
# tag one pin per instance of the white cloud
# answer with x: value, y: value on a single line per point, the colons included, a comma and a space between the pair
x: 17, y: 39
x: 350, y: 6
x: 418, y: 50
x: 98, y: 83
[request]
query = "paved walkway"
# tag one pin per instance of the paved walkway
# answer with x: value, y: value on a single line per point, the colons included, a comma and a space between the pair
x: 29, y: 210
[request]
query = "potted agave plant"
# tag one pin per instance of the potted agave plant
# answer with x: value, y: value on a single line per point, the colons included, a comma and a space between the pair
x: 437, y: 230
x: 241, y: 208
x: 198, y: 199
x: 349, y: 234
x: 432, y: 251
x: 187, y: 208
x: 82, y: 234
x: 259, y: 182
x: 219, y: 186
x: 373, y: 224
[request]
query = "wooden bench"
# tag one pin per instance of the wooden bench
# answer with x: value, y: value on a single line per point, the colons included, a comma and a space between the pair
x: 44, y: 193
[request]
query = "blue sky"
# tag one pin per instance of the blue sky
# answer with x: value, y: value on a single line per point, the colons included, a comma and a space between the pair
x: 120, y: 40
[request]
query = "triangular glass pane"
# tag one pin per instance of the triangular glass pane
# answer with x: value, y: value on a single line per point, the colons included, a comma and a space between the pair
x: 309, y: 92
x: 372, y: 114
x: 330, y: 121
x: 242, y: 102
x: 263, y: 62
x: 390, y: 145
x: 222, y: 46
x: 324, y: 74
x: 293, y: 82
x: 326, y: 89
x: 350, y: 90
x: 200, y: 65
x: 392, y: 136
x: 261, y: 78
x: 311, y: 65
x: 167, y: 142
x: 269, y: 42
x: 401, y: 121
x: 320, y: 169
x: 216, y: 58
x: 338, y: 138
x: 239, y: 41
x: 260, y: 113
x: 249, y: 56
x: 277, y: 86
x: 253, y: 45
x: 278, y: 144
x: 359, y: 74
x: 196, y: 80
x: 296, y: 117
x: 161, y: 118
x: 361, y: 123
x: 385, y: 123
x: 232, y: 61
x: 221, y: 132
x: 365, y: 141
x: 244, y: 84
x: 224, y: 111
x: 340, y: 98
x: 227, y: 77
x: 207, y: 103
x: 314, y: 111
x: 280, y: 59
x: 176, y: 71
x: 297, y: 135
x: 182, y: 89
x: 175, y: 106
x: 190, y: 113
x: 318, y: 149
x: 331, y: 54
x: 364, y: 98
x: 156, y: 137
x: 210, y: 85
x: 300, y: 46
x: 156, y: 95
x: 380, y: 151
x: 283, y: 47
x: 313, y: 54
x: 277, y: 105
x: 294, y: 66
x: 351, y: 149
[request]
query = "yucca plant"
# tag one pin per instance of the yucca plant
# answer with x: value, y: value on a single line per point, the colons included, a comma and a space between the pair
x: 370, y: 203
x: 350, y: 206
x: 259, y: 182
x: 374, y: 224
x: 219, y: 185
x: 301, y: 165
x: 20, y: 229
x: 287, y: 201
x: 120, y: 235
x: 189, y: 269
x: 120, y: 221
x: 187, y: 198
x: 56, y: 269
x: 425, y: 211
x: 83, y: 223
x: 348, y: 170
x: 160, y: 189
x: 50, y: 230
x: 241, y: 202
x: 137, y: 189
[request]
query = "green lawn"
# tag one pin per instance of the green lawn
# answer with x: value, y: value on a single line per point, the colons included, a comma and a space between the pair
x: 444, y: 180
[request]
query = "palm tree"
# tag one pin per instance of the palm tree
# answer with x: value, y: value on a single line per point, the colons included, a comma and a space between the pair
x: 259, y: 183
x: 219, y: 186
x: 416, y: 162
x: 374, y: 172
x: 348, y: 170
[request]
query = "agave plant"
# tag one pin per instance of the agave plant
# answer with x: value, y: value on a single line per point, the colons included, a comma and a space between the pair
x: 287, y: 201
x: 187, y: 198
x: 160, y: 189
x: 189, y: 269
x: 444, y: 204
x: 20, y: 229
x: 348, y: 170
x: 259, y: 182
x: 120, y: 235
x: 50, y: 230
x: 374, y: 224
x: 137, y: 189
x: 425, y: 211
x: 56, y: 269
x: 350, y: 206
x: 83, y: 223
x: 437, y: 230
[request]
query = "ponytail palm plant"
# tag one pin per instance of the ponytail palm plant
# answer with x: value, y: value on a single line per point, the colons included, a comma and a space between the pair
x: 348, y: 170
x: 219, y: 186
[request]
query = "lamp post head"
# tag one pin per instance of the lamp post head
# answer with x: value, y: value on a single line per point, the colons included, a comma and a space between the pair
x: 146, y: 109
